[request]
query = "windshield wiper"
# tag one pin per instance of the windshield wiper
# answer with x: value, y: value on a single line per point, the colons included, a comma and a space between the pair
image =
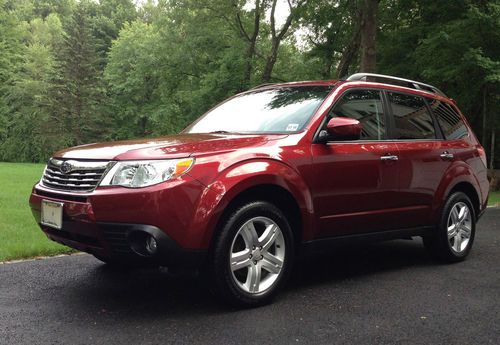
x: 220, y: 132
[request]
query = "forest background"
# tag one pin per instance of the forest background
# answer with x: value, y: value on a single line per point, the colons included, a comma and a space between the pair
x: 75, y: 72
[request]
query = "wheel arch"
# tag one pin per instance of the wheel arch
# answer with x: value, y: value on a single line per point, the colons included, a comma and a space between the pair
x: 459, y: 177
x: 274, y: 194
x: 277, y: 183
x: 468, y: 189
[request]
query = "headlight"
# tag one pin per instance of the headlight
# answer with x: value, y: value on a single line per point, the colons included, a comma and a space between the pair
x: 137, y: 174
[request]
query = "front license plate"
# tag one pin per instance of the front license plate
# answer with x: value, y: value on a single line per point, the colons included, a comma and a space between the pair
x: 52, y: 214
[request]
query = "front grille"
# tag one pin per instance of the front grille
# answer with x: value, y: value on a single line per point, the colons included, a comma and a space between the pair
x: 61, y: 196
x: 72, y: 175
x: 91, y: 241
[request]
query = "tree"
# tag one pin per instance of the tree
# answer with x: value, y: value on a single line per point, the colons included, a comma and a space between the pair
x: 73, y: 72
x: 33, y: 131
x: 250, y: 37
x: 133, y: 78
x: 11, y: 33
x: 449, y: 44
x: 106, y: 21
x: 333, y: 32
x: 79, y: 91
x: 277, y: 35
x: 369, y: 9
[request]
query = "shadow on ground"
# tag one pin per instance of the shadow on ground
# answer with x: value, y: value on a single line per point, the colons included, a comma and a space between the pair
x: 158, y: 293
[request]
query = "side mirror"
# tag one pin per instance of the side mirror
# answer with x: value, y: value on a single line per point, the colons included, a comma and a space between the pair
x: 344, y: 128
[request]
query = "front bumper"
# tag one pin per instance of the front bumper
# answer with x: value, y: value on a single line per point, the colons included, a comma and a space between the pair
x: 108, y: 222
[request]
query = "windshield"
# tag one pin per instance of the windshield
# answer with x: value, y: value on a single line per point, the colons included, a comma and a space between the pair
x: 284, y: 109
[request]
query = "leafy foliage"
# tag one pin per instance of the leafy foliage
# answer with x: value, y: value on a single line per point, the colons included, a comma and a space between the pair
x: 74, y: 72
x: 453, y: 45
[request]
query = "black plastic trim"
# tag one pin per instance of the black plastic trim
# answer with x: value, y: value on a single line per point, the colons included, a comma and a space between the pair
x: 324, y: 244
x: 169, y: 253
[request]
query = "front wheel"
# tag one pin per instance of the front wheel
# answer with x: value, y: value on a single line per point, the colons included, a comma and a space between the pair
x: 252, y: 255
x: 455, y: 234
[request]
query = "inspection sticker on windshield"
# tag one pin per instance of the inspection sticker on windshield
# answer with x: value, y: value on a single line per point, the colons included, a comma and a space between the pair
x: 292, y: 127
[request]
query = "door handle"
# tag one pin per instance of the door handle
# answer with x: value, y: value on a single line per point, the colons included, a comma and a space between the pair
x: 389, y: 158
x: 446, y: 155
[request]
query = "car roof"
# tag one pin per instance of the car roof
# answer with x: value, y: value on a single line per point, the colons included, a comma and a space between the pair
x: 369, y: 79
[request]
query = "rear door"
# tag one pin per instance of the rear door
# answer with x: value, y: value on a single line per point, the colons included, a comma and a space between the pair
x: 424, y: 156
x: 356, y: 181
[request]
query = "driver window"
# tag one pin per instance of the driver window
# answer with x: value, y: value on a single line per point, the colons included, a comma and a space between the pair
x: 364, y: 106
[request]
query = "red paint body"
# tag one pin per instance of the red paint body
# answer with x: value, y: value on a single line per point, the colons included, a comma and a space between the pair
x: 341, y: 188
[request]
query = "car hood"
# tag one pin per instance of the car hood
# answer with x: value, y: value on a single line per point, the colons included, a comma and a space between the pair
x: 167, y: 147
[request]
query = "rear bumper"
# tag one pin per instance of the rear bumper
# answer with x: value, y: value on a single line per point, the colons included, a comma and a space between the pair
x: 111, y: 225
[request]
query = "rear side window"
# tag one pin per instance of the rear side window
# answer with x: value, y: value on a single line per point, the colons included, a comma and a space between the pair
x: 450, y: 121
x: 366, y: 107
x: 412, y: 119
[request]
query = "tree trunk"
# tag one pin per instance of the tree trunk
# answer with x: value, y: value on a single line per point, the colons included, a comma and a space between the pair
x: 271, y: 60
x: 483, y: 136
x: 492, y: 149
x: 78, y: 117
x: 368, y: 36
x: 249, y: 63
x: 252, y: 44
x: 277, y: 37
x: 350, y: 52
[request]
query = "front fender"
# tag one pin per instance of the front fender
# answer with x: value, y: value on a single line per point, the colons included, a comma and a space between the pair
x: 247, y: 174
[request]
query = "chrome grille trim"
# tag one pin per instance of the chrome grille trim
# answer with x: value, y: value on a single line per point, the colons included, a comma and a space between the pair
x: 84, y: 176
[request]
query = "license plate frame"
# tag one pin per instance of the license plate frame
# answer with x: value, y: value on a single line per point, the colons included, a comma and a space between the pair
x: 52, y: 214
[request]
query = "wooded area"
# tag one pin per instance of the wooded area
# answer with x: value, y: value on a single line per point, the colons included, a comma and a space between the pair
x: 75, y: 72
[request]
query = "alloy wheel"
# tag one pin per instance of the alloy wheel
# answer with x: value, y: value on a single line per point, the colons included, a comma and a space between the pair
x: 459, y: 227
x: 257, y: 255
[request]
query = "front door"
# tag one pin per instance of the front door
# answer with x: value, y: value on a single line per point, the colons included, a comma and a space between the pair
x: 356, y: 185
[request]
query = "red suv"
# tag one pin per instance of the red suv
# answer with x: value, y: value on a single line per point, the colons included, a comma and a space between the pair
x: 272, y: 173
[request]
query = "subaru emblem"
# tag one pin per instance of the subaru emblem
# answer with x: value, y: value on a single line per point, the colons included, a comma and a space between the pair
x: 66, y: 167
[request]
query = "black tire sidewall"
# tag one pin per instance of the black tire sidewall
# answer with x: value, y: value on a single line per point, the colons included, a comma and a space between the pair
x: 220, y: 271
x: 442, y: 243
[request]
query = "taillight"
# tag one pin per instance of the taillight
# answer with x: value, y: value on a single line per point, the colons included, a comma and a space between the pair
x: 482, y: 155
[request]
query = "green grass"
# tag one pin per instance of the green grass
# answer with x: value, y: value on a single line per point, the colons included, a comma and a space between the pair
x: 494, y: 198
x: 20, y: 236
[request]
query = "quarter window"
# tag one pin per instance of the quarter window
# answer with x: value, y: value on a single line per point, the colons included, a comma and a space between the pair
x: 366, y: 107
x: 450, y: 121
x: 411, y: 117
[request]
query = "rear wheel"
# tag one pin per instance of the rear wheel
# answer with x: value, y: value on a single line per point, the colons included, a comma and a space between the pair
x: 455, y: 234
x: 252, y: 255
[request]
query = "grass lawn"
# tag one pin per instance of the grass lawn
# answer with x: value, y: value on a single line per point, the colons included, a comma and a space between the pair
x: 20, y: 236
x: 494, y: 198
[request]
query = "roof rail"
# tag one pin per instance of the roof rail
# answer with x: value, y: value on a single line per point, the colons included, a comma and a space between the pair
x: 387, y: 79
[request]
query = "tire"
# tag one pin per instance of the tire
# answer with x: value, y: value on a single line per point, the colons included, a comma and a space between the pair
x: 454, y: 237
x: 252, y: 255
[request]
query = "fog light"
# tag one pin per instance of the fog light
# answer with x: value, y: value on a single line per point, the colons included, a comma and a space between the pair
x: 151, y: 245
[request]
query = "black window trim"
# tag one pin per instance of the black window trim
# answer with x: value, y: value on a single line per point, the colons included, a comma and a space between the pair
x: 350, y: 89
x: 457, y: 111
